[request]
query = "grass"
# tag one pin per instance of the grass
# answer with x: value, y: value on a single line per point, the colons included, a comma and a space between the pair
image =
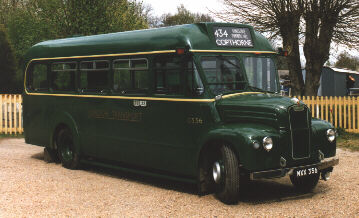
x: 348, y: 141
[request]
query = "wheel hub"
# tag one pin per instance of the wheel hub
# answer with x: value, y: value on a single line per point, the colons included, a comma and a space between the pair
x: 217, y: 172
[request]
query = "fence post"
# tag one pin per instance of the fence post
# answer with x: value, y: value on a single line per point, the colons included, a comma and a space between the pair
x: 334, y: 115
x: 15, y: 113
x: 1, y: 113
x: 312, y: 105
x: 330, y: 110
x: 20, y: 120
x: 352, y: 114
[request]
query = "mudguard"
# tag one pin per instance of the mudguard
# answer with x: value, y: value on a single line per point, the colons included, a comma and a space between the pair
x: 64, y: 118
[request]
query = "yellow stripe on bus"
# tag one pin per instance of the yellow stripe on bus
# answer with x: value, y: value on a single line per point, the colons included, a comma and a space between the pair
x: 141, y: 98
x: 231, y: 51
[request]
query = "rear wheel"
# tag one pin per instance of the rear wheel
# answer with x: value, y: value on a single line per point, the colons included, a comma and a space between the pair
x: 306, y: 183
x: 66, y: 149
x: 226, y: 176
x: 50, y: 155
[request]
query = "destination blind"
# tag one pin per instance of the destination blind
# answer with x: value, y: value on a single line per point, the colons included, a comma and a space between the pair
x: 233, y: 37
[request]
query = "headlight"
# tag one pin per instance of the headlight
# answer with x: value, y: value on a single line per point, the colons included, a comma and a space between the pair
x: 331, y: 135
x: 268, y: 143
x: 256, y: 144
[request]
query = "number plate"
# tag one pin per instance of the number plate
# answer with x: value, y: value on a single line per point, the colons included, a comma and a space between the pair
x: 306, y: 172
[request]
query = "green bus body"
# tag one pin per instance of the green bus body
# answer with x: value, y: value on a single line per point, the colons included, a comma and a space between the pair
x: 165, y: 125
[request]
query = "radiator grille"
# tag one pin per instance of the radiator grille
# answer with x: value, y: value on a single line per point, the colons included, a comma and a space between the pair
x: 300, y: 131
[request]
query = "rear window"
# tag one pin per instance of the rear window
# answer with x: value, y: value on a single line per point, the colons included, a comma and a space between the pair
x: 37, y: 79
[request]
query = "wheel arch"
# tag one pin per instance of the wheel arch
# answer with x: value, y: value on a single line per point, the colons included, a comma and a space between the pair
x: 63, y: 120
x: 229, y: 138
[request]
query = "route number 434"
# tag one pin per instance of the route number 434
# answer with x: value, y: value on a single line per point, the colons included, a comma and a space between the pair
x: 220, y: 33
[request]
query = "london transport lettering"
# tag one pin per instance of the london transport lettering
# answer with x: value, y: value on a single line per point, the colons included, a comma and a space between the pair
x: 233, y: 37
x: 115, y: 115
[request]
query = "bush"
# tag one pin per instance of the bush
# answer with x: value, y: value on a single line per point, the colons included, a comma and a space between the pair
x: 7, y: 64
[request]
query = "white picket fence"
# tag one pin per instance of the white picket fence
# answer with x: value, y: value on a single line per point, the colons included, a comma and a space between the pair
x: 11, y: 114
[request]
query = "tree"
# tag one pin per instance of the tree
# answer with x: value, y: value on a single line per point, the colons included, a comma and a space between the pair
x: 184, y: 16
x: 313, y: 23
x: 38, y: 20
x: 7, y: 64
x: 347, y: 61
x: 6, y: 7
x: 88, y: 17
x: 31, y: 21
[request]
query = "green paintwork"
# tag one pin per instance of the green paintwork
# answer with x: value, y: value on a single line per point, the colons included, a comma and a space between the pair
x: 165, y: 137
x: 193, y: 36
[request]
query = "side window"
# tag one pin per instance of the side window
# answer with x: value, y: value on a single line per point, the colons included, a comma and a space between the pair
x: 63, y: 76
x: 94, y: 75
x: 168, y: 71
x: 38, y: 77
x: 130, y: 75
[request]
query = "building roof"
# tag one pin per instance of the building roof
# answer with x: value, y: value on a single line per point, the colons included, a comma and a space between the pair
x: 343, y: 70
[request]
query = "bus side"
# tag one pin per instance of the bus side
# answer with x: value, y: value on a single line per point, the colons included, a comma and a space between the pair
x: 137, y: 110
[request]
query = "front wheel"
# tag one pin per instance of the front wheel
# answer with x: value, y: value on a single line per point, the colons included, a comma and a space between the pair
x: 225, y: 174
x: 66, y: 149
x: 306, y: 183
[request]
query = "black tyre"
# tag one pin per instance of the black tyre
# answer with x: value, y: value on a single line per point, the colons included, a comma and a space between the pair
x: 306, y: 183
x: 50, y: 155
x: 226, y: 176
x: 66, y: 149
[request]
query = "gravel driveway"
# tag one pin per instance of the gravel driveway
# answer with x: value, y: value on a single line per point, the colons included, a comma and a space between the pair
x: 30, y: 187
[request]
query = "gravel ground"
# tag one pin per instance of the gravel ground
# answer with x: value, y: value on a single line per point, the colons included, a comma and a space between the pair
x: 30, y: 187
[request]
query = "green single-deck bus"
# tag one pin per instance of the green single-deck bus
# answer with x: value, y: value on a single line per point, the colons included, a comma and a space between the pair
x: 198, y: 103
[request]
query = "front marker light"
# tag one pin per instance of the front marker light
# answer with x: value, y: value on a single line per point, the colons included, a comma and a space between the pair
x: 331, y: 135
x: 267, y: 143
x: 256, y: 145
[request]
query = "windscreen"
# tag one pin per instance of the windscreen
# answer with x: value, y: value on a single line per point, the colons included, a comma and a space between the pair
x: 223, y: 74
x: 261, y: 73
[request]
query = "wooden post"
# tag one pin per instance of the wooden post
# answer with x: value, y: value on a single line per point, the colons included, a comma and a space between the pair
x: 21, y: 128
x: 345, y: 111
x: 15, y: 114
x: 1, y: 113
x: 10, y: 114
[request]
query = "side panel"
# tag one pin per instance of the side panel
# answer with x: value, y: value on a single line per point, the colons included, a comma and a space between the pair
x: 36, y: 122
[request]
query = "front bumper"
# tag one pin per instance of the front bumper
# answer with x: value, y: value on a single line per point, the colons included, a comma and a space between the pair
x: 277, y: 173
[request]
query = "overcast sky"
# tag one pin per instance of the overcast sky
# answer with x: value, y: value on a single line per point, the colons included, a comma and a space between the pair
x: 203, y: 6
x: 170, y: 6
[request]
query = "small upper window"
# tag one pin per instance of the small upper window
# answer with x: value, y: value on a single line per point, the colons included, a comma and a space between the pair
x: 64, y: 66
x: 121, y: 64
x: 95, y: 65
